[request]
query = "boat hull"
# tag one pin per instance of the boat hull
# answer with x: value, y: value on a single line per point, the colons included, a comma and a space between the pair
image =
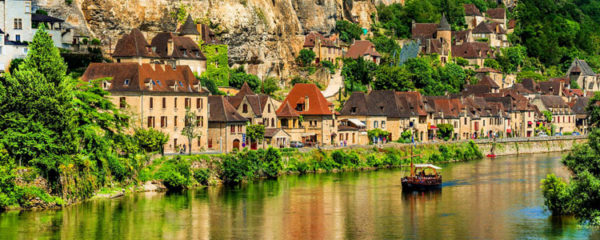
x: 407, y: 186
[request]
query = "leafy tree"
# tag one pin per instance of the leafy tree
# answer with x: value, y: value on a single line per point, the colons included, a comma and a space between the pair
x: 270, y: 85
x: 461, y: 61
x: 329, y: 65
x: 445, y: 131
x: 151, y: 140
x: 593, y: 110
x: 14, y: 64
x: 358, y: 71
x: 210, y: 85
x: 492, y: 63
x: 272, y: 163
x: 306, y: 57
x: 393, y: 78
x: 548, y: 116
x: 255, y: 132
x: 453, y: 77
x: 348, y: 31
x: 239, y: 76
x: 532, y: 75
x: 191, y: 128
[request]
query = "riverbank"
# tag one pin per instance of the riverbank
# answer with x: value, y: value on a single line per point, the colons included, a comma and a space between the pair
x: 179, y: 172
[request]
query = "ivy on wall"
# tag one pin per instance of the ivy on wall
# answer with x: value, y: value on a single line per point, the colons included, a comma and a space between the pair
x: 217, y: 64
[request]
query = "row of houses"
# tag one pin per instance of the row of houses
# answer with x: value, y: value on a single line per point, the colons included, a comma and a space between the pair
x: 158, y: 96
x: 331, y: 48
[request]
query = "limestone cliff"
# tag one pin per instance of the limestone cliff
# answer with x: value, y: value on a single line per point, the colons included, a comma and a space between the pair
x: 263, y: 35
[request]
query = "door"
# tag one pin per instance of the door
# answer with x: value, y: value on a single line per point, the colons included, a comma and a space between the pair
x: 236, y: 144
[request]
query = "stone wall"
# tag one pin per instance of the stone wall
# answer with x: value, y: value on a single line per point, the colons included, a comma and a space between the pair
x: 531, y: 145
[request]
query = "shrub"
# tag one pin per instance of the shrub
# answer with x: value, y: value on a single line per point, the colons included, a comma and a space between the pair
x: 306, y: 57
x: 272, y: 163
x: 556, y: 194
x: 329, y: 65
x: 150, y: 139
x: 202, y: 175
x: 239, y: 167
x: 175, y: 173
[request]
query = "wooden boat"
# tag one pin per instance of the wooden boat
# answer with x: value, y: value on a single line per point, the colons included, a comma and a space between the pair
x: 421, y: 180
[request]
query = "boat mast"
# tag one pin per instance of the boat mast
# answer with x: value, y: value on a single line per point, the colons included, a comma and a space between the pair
x: 412, y: 171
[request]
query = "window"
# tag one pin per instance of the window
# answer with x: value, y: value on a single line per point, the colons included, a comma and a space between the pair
x: 175, y: 142
x: 245, y: 108
x: 164, y: 102
x: 375, y: 124
x: 465, y: 121
x: 25, y: 50
x: 163, y: 122
x: 272, y: 122
x: 18, y: 24
x: 188, y: 102
x: 383, y: 124
x: 175, y: 121
x: 232, y: 129
x: 240, y: 128
x: 126, y: 83
x: 150, y: 122
x: 268, y: 106
x: 175, y: 103
x: 199, y: 141
x: 28, y: 7
x: 199, y: 103
x: 151, y: 103
x: 200, y: 121
x: 18, y: 37
x: 528, y: 114
x: 353, y: 110
x: 210, y: 143
x: 122, y: 102
x: 484, y: 123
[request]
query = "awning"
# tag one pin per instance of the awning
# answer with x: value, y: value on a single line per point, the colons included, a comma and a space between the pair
x: 427, y: 166
x: 529, y: 122
x: 508, y: 130
x: 308, y: 134
x: 432, y: 127
x: 356, y: 122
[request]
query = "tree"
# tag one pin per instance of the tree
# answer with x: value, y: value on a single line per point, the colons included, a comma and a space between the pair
x: 358, y: 71
x: 491, y: 63
x: 151, y: 140
x: 306, y: 57
x: 445, y: 131
x: 191, y: 127
x: 453, y: 76
x: 254, y: 133
x: 14, y: 64
x: 239, y: 76
x: 270, y: 85
x: 393, y: 78
x: 548, y: 116
x: 593, y: 110
x: 348, y: 31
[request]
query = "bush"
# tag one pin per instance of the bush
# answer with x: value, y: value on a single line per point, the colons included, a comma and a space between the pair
x: 202, y: 175
x: 175, y: 174
x: 272, y: 163
x: 239, y: 167
x: 306, y: 57
x: 298, y: 79
x: 445, y: 131
x: 329, y: 65
x: 150, y: 139
x: 556, y: 195
x: 270, y: 86
x: 461, y: 61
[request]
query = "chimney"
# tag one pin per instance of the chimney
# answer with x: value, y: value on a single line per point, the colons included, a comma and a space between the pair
x: 170, y: 47
x: 306, y: 105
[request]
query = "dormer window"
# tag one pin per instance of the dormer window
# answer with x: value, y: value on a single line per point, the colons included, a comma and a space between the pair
x: 126, y: 82
x: 180, y: 84
x: 158, y: 82
x: 152, y: 81
x: 105, y: 85
x: 353, y: 110
x: 184, y: 53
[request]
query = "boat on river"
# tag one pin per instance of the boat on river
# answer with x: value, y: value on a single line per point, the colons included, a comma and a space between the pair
x: 422, y: 177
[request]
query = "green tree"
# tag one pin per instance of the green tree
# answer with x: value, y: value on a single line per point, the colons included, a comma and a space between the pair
x: 191, y: 127
x: 151, y: 140
x: 239, y: 76
x: 306, y: 57
x: 358, y: 71
x: 491, y: 63
x: 255, y: 133
x: 453, y: 77
x: 348, y: 31
x: 270, y: 85
x: 392, y: 78
x: 445, y: 131
x: 593, y: 110
x: 548, y: 116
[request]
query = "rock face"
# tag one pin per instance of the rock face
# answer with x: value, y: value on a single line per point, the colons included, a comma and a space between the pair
x: 263, y: 35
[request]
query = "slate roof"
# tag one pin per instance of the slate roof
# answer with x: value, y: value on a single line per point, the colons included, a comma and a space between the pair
x: 424, y: 30
x: 357, y: 101
x: 45, y: 18
x: 317, y: 105
x: 133, y: 77
x: 496, y: 13
x: 362, y: 48
x: 461, y: 36
x: 444, y: 25
x: 222, y: 111
x: 581, y: 66
x: 578, y: 105
x: 133, y: 44
x: 471, y: 10
x: 385, y: 103
x: 183, y: 47
x: 472, y: 50
x: 189, y: 27
x: 489, y: 27
x: 208, y: 36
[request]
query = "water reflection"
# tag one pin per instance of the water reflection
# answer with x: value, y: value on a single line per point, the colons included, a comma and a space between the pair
x: 487, y: 199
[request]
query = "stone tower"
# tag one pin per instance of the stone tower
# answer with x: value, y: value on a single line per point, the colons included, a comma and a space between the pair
x: 444, y: 33
x: 189, y: 29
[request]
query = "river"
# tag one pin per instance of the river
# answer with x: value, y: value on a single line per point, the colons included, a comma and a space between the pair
x: 485, y: 199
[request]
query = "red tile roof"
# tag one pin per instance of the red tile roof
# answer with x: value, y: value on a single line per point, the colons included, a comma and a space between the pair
x: 362, y: 48
x: 287, y: 111
x: 317, y: 104
x: 133, y: 44
x: 144, y: 77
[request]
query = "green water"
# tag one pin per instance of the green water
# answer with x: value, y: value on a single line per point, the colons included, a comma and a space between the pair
x: 486, y: 199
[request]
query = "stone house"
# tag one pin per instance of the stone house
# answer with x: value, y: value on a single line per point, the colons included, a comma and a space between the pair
x: 497, y: 15
x: 352, y: 132
x: 581, y: 73
x: 364, y: 49
x: 18, y: 25
x: 133, y: 47
x: 473, y: 16
x: 324, y: 48
x: 175, y: 49
x: 434, y: 38
x: 448, y: 110
x: 495, y: 75
x: 387, y: 110
x: 474, y: 52
x: 460, y: 37
x: 581, y: 117
x: 563, y: 116
x: 257, y: 108
x: 307, y: 116
x: 226, y: 127
x: 156, y: 96
x: 493, y: 33
x: 277, y: 138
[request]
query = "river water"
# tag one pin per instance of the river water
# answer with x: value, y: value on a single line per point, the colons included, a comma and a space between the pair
x: 486, y: 199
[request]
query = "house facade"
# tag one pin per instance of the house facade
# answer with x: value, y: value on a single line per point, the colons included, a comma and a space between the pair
x: 324, y: 48
x: 257, y: 108
x: 226, y: 127
x: 157, y: 96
